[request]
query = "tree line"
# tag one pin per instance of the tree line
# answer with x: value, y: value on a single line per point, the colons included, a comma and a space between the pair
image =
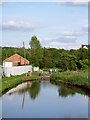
x: 50, y: 57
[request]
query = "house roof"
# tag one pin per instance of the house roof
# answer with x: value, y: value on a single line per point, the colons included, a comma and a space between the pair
x: 16, y: 58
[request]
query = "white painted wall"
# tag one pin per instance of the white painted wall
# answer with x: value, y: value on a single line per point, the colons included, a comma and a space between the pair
x: 17, y: 70
x: 7, y: 64
x: 85, y: 47
x: 35, y: 68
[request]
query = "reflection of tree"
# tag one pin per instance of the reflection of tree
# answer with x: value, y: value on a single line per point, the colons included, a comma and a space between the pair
x: 65, y: 91
x: 34, y: 89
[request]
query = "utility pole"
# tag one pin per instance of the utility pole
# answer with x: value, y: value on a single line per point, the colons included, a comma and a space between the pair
x: 24, y: 52
x: 6, y: 54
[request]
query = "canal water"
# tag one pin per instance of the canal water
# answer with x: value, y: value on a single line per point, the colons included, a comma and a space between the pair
x: 43, y: 99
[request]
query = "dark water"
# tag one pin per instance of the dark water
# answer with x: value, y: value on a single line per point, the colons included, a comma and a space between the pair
x: 44, y: 100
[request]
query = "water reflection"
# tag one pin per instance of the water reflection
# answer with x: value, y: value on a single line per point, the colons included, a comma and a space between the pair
x: 32, y: 88
x: 65, y: 90
x: 52, y: 101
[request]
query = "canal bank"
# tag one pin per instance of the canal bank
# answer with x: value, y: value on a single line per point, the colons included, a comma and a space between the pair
x: 73, y: 78
x: 13, y: 81
x: 10, y: 82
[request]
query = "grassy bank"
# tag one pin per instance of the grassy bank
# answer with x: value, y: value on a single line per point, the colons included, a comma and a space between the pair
x: 10, y: 82
x: 72, y: 78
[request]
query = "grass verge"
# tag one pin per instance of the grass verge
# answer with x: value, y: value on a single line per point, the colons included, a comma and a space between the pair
x: 10, y: 82
x: 72, y: 78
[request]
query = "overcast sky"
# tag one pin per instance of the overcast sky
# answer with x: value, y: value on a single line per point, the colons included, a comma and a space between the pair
x: 56, y: 24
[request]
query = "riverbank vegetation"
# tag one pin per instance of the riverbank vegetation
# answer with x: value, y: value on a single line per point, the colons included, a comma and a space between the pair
x: 72, y: 78
x: 10, y: 82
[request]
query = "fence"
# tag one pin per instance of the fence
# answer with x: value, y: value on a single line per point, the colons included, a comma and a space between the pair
x: 16, y: 70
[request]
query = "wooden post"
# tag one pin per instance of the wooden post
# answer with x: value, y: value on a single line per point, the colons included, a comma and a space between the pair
x: 30, y: 73
x: 24, y: 52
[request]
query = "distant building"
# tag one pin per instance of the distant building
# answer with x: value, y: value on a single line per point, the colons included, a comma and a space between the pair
x: 85, y: 46
x: 15, y: 60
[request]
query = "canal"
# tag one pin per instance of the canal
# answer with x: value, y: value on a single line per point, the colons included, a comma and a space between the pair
x: 43, y: 99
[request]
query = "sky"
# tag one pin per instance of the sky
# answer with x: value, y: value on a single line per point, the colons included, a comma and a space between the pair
x: 56, y: 24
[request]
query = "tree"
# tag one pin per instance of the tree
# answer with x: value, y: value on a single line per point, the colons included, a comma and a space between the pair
x: 36, y: 51
x: 72, y: 62
x: 63, y: 61
x: 47, y: 61
x: 82, y: 54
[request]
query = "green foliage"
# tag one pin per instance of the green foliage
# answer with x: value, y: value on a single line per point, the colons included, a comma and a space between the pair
x: 72, y: 77
x: 47, y: 61
x: 36, y: 51
x: 51, y: 57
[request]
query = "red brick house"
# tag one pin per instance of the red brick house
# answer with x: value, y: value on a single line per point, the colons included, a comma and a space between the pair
x: 15, y: 60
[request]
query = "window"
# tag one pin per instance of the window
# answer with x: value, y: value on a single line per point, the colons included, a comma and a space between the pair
x: 15, y: 63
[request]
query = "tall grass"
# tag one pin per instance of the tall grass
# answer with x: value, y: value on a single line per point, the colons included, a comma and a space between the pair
x: 72, y: 77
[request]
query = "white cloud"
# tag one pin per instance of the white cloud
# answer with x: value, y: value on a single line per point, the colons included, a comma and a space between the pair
x: 86, y: 26
x: 70, y: 37
x: 63, y: 45
x: 65, y: 39
x: 75, y: 33
x: 72, y: 34
x: 62, y: 2
x: 20, y: 26
x: 47, y: 39
x: 74, y: 2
